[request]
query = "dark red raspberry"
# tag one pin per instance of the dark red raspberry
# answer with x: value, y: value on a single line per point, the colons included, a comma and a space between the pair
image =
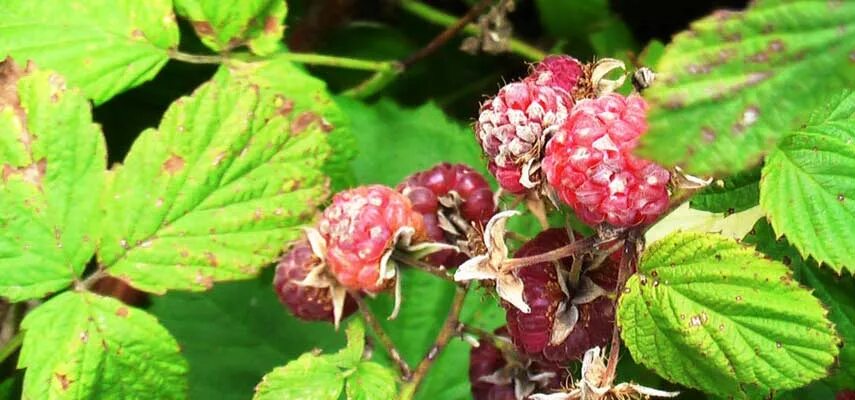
x: 305, y: 302
x: 531, y: 332
x: 845, y: 395
x: 447, y: 184
x: 486, y: 364
x: 360, y: 227
x: 591, y: 165
x: 557, y: 71
x: 512, y: 128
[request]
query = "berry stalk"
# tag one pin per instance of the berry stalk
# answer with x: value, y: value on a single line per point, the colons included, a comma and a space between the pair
x: 576, y: 248
x: 631, y: 249
x: 439, y: 272
x: 382, y: 336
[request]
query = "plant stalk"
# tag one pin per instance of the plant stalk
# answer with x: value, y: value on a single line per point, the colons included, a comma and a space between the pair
x: 11, y: 346
x: 382, y: 336
x: 300, y: 58
x: 572, y: 249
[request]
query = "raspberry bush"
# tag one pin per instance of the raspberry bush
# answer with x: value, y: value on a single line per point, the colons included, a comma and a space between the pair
x: 408, y: 200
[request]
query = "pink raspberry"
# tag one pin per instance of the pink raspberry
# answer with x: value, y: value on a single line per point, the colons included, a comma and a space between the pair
x: 512, y: 128
x: 557, y: 71
x: 360, y: 227
x: 305, y: 302
x: 531, y: 332
x: 448, y: 191
x: 590, y: 164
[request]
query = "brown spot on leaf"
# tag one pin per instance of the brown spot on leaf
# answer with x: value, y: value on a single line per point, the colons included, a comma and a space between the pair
x: 776, y: 45
x: 64, y: 382
x: 203, y: 28
x: 271, y: 25
x: 708, y: 134
x: 32, y: 173
x: 212, y: 259
x: 283, y: 106
x: 206, y: 281
x: 173, y: 164
x: 137, y: 34
x: 698, y: 320
x: 303, y: 121
x: 841, y: 197
x: 122, y: 312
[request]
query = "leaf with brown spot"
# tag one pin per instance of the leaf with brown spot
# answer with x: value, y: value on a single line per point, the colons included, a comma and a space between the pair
x: 748, y: 76
x: 50, y: 182
x: 134, y: 356
x: 224, y: 25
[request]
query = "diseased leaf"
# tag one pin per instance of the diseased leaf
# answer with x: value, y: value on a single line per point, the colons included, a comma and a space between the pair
x: 224, y: 25
x: 732, y: 194
x: 310, y: 377
x: 808, y: 186
x: 708, y: 313
x: 351, y: 355
x: 836, y: 293
x: 216, y: 191
x: 80, y: 345
x: 371, y: 381
x: 102, y: 46
x: 52, y: 161
x: 733, y: 84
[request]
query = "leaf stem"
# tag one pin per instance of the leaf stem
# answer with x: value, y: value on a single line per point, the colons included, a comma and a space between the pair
x: 451, y: 328
x: 196, y: 58
x: 439, y: 272
x: 446, y: 35
x: 382, y: 336
x: 438, y: 17
x: 572, y: 249
x: 300, y: 58
x: 11, y: 346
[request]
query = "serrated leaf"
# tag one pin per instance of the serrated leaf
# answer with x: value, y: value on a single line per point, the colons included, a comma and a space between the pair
x: 80, y: 345
x: 708, y: 313
x: 215, y: 191
x: 310, y: 377
x: 225, y: 25
x: 351, y: 355
x: 687, y: 219
x: 808, y: 186
x: 732, y: 194
x: 834, y: 291
x: 226, y: 363
x: 52, y: 160
x: 371, y: 381
x: 102, y: 46
x: 733, y: 84
x: 309, y: 100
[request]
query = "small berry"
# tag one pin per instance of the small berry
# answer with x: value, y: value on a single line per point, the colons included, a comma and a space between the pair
x: 360, y: 227
x: 445, y: 190
x: 305, y: 302
x: 512, y: 128
x: 532, y: 332
x: 590, y: 164
x: 557, y: 71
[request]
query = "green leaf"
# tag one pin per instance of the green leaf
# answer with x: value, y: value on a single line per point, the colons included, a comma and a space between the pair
x: 834, y: 291
x: 732, y: 194
x: 808, y: 186
x: 52, y: 161
x: 215, y: 191
x: 235, y: 333
x: 102, y: 46
x: 310, y: 377
x: 733, y: 84
x: 80, y: 345
x: 394, y: 142
x: 225, y: 25
x: 308, y: 99
x: 708, y: 313
x: 351, y: 355
x: 371, y: 381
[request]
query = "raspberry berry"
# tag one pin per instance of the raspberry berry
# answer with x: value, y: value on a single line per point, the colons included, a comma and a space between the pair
x: 492, y: 377
x: 361, y: 227
x: 593, y: 318
x: 590, y: 164
x: 305, y: 302
x: 845, y: 395
x: 447, y: 196
x: 558, y: 71
x: 513, y: 127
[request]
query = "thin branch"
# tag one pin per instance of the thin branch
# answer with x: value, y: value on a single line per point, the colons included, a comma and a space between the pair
x: 375, y: 83
x: 572, y: 249
x: 439, y: 272
x: 11, y: 346
x: 382, y: 336
x: 627, y: 260
x: 438, y: 17
x: 451, y: 328
x: 447, y: 34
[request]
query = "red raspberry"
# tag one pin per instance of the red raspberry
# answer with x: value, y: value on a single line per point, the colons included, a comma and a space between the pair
x: 531, y: 332
x: 485, y: 365
x: 845, y: 395
x: 512, y: 129
x: 450, y: 183
x: 557, y: 71
x: 360, y: 228
x: 590, y: 164
x: 305, y: 302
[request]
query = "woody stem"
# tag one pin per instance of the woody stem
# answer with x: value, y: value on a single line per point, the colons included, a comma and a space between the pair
x: 578, y: 247
x: 627, y: 260
x: 381, y: 334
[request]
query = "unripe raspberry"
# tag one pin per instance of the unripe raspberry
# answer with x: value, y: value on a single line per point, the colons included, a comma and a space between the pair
x: 512, y: 128
x: 305, y: 302
x: 360, y: 227
x: 531, y: 332
x: 557, y: 71
x: 590, y: 164
x: 448, y: 184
